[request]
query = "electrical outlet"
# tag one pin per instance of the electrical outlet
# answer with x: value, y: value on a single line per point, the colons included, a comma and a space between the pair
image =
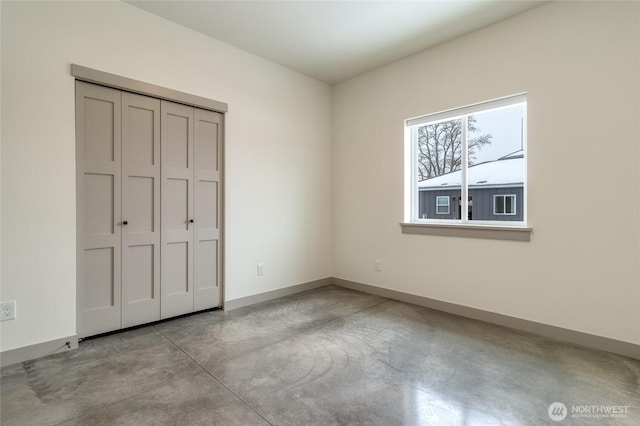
x: 260, y: 269
x: 377, y: 265
x: 7, y: 310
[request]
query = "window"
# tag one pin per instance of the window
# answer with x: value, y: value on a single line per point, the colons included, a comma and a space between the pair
x: 442, y: 205
x: 504, y: 204
x: 468, y: 165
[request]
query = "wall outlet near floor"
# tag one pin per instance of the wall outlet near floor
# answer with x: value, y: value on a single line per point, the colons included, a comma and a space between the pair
x: 260, y: 269
x: 377, y: 265
x: 7, y: 310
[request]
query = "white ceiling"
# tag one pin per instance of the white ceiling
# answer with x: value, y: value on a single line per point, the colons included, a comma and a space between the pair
x: 335, y: 40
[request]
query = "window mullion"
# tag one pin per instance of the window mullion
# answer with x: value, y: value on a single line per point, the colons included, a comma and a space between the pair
x: 464, y: 192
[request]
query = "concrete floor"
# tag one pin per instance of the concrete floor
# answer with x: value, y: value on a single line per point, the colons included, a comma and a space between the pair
x: 328, y: 356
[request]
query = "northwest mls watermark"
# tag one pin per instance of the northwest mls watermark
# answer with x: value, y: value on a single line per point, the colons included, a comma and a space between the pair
x: 558, y: 411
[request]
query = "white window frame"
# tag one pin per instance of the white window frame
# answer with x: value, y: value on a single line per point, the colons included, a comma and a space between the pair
x: 504, y: 198
x: 448, y: 204
x: 411, y: 198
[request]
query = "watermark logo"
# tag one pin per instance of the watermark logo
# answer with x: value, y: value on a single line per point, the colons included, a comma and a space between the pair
x: 557, y: 411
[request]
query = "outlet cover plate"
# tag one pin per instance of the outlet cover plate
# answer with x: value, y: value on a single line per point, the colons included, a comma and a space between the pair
x: 7, y: 310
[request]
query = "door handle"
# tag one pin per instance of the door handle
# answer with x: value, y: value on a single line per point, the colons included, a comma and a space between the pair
x: 124, y: 223
x: 191, y: 221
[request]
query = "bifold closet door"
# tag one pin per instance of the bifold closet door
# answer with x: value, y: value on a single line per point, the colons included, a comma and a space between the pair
x: 207, y: 252
x: 98, y: 159
x: 149, y: 209
x: 140, y: 209
x: 177, y: 209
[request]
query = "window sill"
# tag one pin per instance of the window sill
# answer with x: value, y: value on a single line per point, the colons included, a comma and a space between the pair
x: 510, y: 233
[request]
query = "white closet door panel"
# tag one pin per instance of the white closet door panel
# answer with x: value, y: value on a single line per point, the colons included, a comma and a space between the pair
x: 176, y: 280
x: 207, y: 204
x: 99, y: 278
x: 208, y: 140
x: 141, y: 278
x: 208, y: 268
x: 178, y: 138
x: 142, y: 289
x: 99, y: 122
x: 207, y: 195
x: 141, y: 209
x: 177, y: 209
x: 100, y: 295
x: 142, y: 128
x: 98, y: 197
x: 99, y: 204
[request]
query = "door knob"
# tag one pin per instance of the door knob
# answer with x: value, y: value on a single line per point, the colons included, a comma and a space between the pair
x: 191, y: 221
x: 124, y: 222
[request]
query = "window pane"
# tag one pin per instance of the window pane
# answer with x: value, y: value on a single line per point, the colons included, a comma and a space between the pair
x: 499, y: 207
x: 495, y: 159
x: 508, y: 208
x: 439, y: 176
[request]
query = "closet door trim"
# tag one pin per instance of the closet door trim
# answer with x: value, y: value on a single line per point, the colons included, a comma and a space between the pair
x: 135, y: 86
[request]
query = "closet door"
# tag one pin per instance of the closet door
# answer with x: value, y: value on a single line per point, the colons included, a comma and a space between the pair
x: 98, y: 159
x: 177, y: 209
x: 140, y: 209
x: 207, y: 190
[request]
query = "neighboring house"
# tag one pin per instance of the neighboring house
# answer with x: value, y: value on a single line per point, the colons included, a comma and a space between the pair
x: 495, y: 191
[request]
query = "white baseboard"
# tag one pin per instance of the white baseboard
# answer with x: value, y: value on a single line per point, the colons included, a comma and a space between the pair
x: 274, y: 294
x: 593, y: 341
x: 38, y: 350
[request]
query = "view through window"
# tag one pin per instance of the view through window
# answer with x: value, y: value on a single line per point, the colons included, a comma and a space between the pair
x: 469, y: 164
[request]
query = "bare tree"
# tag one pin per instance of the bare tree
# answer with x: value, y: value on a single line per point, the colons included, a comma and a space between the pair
x: 440, y: 147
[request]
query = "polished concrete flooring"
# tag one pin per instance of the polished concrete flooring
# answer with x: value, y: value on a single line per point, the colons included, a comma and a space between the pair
x: 323, y: 357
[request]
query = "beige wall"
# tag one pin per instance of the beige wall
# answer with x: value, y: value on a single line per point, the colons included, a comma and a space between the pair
x: 278, y: 152
x: 579, y: 64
